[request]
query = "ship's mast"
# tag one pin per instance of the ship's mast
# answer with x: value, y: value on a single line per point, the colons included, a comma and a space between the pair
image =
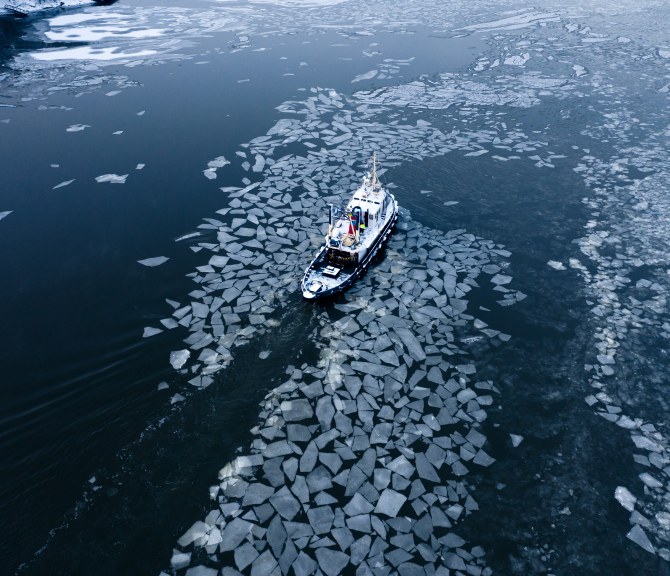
x: 374, y: 171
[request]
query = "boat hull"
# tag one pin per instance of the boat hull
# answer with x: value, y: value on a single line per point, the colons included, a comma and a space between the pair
x: 350, y: 277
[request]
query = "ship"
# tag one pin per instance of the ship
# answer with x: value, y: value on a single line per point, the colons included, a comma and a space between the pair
x: 355, y: 235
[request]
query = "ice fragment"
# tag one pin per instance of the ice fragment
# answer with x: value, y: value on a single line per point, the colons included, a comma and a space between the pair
x: 390, y: 503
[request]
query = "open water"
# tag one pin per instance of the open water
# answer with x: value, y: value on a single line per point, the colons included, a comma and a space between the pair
x: 491, y: 398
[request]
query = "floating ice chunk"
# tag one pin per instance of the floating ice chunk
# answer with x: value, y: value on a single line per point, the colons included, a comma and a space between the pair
x: 425, y: 468
x: 366, y: 76
x: 360, y: 549
x: 295, y: 410
x: 309, y: 457
x: 245, y: 555
x: 149, y: 331
x: 112, y: 178
x: 516, y: 439
x: 319, y: 479
x: 77, y: 127
x: 477, y: 152
x: 401, y: 466
x: 242, y: 465
x: 63, y: 184
x: 157, y: 261
x: 140, y: 166
x: 331, y: 460
x: 556, y: 265
x: 500, y: 279
x: 264, y: 354
x: 198, y: 530
x: 233, y: 534
x: 380, y: 433
x: 355, y: 479
x: 358, y: 505
x: 579, y: 70
x: 645, y: 443
x: 466, y: 395
x: 390, y: 502
x: 466, y: 369
x: 325, y: 412
x: 454, y: 562
x: 304, y: 565
x: 650, y: 481
x: 625, y: 498
x: 218, y: 261
x: 5, y: 214
x: 331, y: 562
x: 219, y: 162
x: 180, y: 560
x: 370, y: 368
x: 179, y: 358
x: 257, y: 493
x: 177, y: 398
x: 321, y: 519
x: 483, y: 459
x: 638, y: 536
x: 264, y: 565
x: 259, y: 164
x: 517, y: 60
x: 285, y: 504
x: 411, y: 343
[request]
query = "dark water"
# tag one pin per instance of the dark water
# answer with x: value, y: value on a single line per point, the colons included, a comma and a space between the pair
x: 100, y: 473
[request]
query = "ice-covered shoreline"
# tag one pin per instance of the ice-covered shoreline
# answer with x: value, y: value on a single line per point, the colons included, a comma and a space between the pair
x: 37, y: 6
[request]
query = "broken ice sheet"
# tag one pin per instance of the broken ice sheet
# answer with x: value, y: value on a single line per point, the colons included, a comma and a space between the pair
x: 156, y: 261
x: 112, y: 178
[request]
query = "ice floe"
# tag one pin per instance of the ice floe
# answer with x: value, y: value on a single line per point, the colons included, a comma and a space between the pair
x: 63, y: 184
x: 112, y: 178
x: 77, y: 128
x: 155, y: 261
